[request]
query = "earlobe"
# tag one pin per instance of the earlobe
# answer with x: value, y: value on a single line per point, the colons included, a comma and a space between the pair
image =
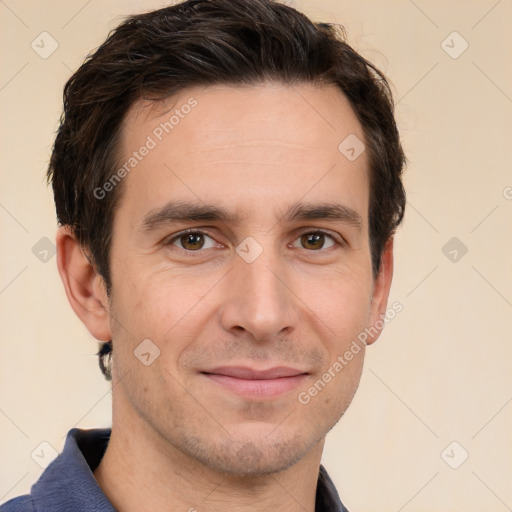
x: 84, y: 286
x: 380, y: 296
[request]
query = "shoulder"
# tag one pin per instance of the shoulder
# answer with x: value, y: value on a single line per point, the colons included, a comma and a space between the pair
x: 20, y: 504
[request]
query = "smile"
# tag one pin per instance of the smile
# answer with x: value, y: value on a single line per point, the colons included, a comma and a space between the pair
x: 257, y: 384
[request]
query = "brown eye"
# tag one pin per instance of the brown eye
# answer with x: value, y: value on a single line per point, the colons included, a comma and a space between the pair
x: 192, y: 241
x: 315, y: 240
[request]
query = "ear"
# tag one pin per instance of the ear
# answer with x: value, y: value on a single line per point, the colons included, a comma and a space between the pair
x: 381, y: 287
x: 84, y: 287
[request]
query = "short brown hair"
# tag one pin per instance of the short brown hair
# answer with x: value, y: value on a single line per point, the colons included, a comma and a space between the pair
x: 202, y: 42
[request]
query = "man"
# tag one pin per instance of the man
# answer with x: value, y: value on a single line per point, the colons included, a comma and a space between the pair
x: 227, y: 178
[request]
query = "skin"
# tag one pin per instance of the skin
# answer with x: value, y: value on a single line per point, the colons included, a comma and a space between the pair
x: 178, y: 439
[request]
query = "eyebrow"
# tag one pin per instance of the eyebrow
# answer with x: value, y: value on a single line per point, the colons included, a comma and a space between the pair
x: 180, y: 211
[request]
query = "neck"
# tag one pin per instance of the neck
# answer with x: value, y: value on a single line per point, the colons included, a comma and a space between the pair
x: 140, y: 471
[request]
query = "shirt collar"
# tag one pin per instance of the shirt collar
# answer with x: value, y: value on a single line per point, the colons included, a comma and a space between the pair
x: 68, y: 483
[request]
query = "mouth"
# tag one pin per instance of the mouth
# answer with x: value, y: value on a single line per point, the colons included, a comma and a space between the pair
x: 256, y: 384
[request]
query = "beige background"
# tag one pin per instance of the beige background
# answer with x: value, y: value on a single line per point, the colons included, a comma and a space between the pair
x: 442, y: 370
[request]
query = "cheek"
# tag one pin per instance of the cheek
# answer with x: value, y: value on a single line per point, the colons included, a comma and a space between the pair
x: 346, y: 309
x: 343, y: 304
x: 165, y: 306
x: 330, y: 394
x: 153, y: 302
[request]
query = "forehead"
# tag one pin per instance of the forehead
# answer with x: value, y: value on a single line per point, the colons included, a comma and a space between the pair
x: 290, y: 112
x: 267, y: 142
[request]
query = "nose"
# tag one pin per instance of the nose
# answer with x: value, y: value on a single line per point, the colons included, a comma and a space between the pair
x: 259, y: 299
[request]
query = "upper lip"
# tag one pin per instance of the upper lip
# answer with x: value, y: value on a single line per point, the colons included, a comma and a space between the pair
x: 243, y: 372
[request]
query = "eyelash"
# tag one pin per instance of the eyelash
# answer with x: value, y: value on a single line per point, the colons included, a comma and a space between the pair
x: 177, y: 236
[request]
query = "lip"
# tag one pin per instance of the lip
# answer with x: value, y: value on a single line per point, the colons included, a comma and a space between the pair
x: 252, y: 383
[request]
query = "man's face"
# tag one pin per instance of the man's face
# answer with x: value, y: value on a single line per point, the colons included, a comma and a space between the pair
x: 239, y: 297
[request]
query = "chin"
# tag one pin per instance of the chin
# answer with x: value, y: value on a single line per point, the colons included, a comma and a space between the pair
x: 249, y: 457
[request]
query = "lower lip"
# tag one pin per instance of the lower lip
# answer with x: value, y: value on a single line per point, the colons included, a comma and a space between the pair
x: 258, y: 388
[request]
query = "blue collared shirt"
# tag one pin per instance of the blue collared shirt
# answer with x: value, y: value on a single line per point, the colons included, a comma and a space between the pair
x: 68, y: 483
